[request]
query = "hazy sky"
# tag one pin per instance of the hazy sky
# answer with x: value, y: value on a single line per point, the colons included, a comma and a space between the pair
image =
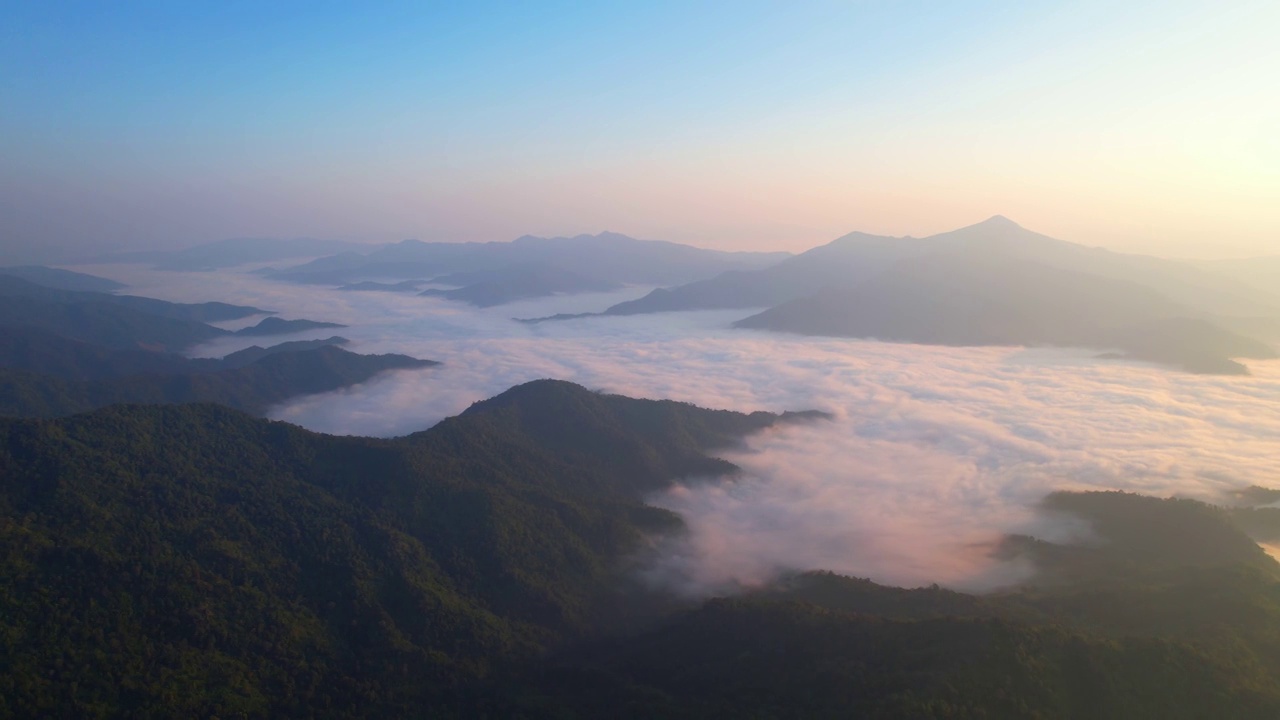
x: 1146, y: 126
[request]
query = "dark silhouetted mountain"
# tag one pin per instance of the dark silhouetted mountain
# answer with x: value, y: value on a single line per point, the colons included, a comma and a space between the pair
x: 39, y: 351
x: 105, y: 323
x: 1167, y: 592
x: 11, y: 286
x: 1137, y: 535
x: 252, y: 387
x: 603, y: 258
x: 965, y: 297
x: 232, y: 252
x: 240, y: 358
x: 279, y: 326
x: 1254, y: 495
x: 773, y: 660
x: 62, y: 279
x: 858, y: 257
x: 35, y: 350
x: 245, y: 567
x: 489, y: 288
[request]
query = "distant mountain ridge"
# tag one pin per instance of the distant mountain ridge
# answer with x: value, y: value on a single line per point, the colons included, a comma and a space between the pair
x: 63, y: 352
x: 858, y: 256
x: 131, y: 322
x: 993, y: 283
x: 253, y: 387
x: 229, y: 253
x: 280, y: 326
x: 62, y: 279
x: 958, y: 299
x: 498, y: 287
x: 605, y: 258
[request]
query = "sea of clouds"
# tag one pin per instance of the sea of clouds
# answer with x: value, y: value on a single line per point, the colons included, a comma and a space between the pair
x: 933, y: 455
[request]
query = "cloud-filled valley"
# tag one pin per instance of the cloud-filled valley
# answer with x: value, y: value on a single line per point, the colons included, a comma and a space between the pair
x: 933, y: 455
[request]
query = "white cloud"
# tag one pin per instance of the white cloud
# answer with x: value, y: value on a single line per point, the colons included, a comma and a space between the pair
x: 933, y: 455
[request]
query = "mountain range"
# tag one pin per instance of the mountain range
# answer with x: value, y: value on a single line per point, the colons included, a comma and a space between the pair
x: 194, y: 561
x: 128, y: 321
x: 229, y: 253
x: 995, y: 283
x: 857, y: 257
x: 504, y: 285
x: 65, y: 351
x: 60, y: 279
x: 252, y: 387
x: 538, y: 265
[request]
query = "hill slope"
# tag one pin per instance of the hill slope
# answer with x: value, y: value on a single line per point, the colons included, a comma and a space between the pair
x: 251, y: 387
x: 193, y: 561
x: 250, y: 567
x: 114, y: 321
x: 61, y: 279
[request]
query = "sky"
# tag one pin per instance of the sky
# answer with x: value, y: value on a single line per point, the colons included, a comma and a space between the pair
x: 1141, y: 126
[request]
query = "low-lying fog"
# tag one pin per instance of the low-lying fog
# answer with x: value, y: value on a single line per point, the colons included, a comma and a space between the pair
x: 934, y: 453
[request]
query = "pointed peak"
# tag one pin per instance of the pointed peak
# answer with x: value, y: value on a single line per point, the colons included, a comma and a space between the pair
x: 999, y: 221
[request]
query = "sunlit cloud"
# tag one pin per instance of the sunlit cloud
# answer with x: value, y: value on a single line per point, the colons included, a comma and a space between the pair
x: 933, y: 453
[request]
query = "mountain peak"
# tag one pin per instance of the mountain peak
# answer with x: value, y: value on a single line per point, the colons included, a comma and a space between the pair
x: 999, y: 221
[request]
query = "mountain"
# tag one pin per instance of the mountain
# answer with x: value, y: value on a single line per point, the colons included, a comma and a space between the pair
x: 994, y: 283
x: 252, y: 354
x: 231, y: 252
x: 193, y: 561
x: 607, y: 258
x: 1171, y: 612
x: 857, y: 257
x: 105, y: 323
x: 964, y: 297
x: 38, y: 351
x: 206, y: 563
x: 847, y: 260
x: 279, y: 326
x: 34, y: 350
x: 44, y: 375
x: 114, y: 321
x: 498, y: 287
x: 253, y: 387
x: 61, y: 279
x: 12, y: 286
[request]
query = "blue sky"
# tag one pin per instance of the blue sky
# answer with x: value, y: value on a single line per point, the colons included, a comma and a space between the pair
x: 758, y: 125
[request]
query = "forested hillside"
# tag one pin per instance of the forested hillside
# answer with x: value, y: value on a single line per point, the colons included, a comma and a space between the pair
x: 194, y: 561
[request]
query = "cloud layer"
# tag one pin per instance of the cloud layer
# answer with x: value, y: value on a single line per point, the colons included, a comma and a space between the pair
x: 933, y: 455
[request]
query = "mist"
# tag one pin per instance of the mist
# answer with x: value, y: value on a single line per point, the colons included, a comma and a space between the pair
x: 932, y: 455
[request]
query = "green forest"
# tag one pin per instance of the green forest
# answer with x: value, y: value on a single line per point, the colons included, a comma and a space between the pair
x: 192, y: 560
